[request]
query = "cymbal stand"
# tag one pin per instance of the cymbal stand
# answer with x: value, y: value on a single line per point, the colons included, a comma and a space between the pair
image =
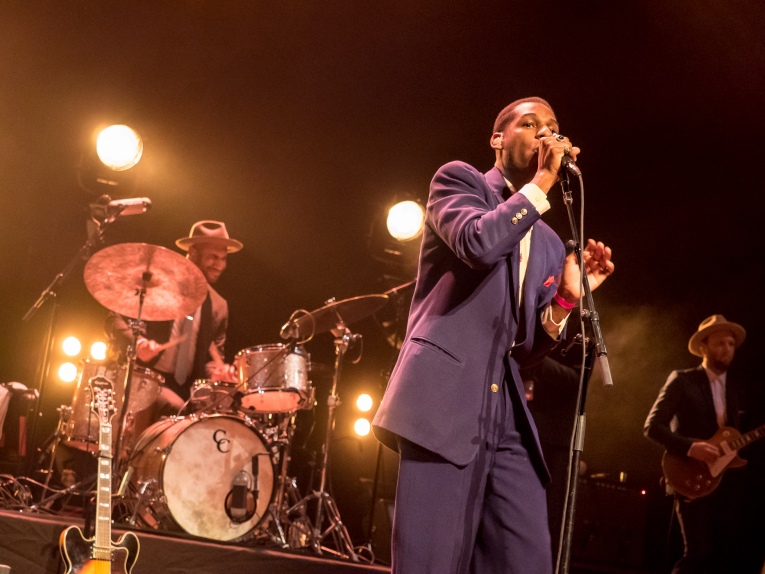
x: 136, y: 325
x: 326, y: 506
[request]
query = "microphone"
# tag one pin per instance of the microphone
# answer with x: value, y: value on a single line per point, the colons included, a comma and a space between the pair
x: 131, y: 206
x: 239, y: 486
x: 289, y: 331
x: 569, y: 165
x: 255, y: 471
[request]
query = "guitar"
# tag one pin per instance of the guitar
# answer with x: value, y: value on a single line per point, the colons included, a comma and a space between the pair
x: 695, y: 479
x: 98, y: 555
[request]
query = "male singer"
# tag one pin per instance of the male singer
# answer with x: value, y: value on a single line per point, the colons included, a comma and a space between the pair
x: 494, y: 290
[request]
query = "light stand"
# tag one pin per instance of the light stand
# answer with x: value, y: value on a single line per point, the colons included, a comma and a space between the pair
x: 597, y: 352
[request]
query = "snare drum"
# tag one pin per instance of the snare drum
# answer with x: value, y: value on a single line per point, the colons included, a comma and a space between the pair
x: 273, y: 378
x: 187, y: 470
x: 145, y: 385
x: 213, y: 396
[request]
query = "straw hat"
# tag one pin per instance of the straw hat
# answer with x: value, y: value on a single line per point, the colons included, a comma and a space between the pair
x: 210, y: 233
x: 712, y: 325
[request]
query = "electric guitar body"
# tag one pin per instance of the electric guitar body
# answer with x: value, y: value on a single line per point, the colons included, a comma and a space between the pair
x: 78, y: 553
x: 695, y: 479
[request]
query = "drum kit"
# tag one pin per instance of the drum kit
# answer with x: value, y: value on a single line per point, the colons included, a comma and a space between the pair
x: 218, y: 470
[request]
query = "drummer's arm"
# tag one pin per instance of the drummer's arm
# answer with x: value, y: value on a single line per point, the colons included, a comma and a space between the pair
x: 217, y: 369
x: 118, y: 329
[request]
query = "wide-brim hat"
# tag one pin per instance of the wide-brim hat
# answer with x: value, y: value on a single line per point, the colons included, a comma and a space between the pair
x: 210, y: 233
x: 711, y: 325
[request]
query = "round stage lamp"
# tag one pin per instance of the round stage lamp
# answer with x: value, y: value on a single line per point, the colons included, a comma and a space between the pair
x: 98, y: 350
x: 71, y: 346
x: 119, y: 147
x: 67, y: 372
x: 364, y: 403
x: 362, y: 427
x: 406, y: 220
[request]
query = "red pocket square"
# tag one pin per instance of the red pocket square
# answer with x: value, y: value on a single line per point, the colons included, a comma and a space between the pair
x: 549, y: 281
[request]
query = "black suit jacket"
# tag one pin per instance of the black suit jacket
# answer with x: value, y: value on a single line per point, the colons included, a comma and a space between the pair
x: 687, y: 395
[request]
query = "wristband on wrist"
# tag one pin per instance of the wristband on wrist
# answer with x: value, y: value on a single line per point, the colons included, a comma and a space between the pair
x: 563, y: 303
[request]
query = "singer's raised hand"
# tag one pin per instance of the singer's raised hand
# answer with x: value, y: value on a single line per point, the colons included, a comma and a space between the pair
x: 598, y: 264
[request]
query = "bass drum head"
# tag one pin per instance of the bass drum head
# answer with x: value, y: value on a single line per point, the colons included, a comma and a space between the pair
x: 198, y: 473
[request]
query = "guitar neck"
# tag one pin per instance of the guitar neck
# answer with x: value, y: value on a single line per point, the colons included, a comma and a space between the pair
x: 746, y: 438
x: 103, y: 535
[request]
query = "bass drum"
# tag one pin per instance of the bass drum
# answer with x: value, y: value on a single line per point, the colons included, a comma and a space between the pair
x: 209, y: 476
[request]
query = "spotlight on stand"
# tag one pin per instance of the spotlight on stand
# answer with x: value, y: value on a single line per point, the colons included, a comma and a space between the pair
x: 106, y: 162
x: 406, y: 220
x: 392, y: 237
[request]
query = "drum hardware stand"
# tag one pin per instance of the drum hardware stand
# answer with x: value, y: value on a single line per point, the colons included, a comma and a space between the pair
x: 326, y: 506
x: 136, y: 326
x: 64, y: 415
x: 286, y: 503
x: 50, y: 292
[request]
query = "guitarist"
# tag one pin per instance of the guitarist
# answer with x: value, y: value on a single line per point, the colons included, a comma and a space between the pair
x: 692, y: 406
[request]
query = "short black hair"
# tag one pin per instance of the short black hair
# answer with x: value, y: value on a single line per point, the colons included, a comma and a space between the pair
x: 506, y: 114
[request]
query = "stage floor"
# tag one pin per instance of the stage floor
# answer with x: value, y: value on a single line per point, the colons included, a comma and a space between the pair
x: 29, y: 545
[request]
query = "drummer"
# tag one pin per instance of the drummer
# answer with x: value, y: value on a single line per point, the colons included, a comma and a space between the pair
x: 198, y: 335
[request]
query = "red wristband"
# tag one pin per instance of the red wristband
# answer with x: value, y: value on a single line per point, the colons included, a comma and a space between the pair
x: 563, y: 303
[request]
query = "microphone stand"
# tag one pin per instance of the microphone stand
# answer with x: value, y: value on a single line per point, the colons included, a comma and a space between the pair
x: 596, y: 352
x: 50, y: 293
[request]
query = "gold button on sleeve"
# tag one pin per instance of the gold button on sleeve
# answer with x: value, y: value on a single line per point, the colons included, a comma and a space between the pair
x: 495, y: 388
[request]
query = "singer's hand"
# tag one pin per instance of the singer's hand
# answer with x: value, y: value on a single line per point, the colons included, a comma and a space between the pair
x: 597, y: 262
x: 551, y: 150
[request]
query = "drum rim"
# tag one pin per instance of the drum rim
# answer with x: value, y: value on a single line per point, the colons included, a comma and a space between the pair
x: 297, y: 349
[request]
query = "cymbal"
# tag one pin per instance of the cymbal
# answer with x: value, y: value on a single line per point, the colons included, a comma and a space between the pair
x: 346, y: 311
x: 174, y: 285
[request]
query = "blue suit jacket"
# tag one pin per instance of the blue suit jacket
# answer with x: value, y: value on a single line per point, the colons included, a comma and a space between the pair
x: 465, y: 316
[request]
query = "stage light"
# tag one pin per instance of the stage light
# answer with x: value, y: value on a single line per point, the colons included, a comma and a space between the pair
x: 98, y: 351
x: 71, y: 346
x: 364, y: 402
x: 406, y: 220
x: 67, y: 372
x: 362, y: 427
x: 119, y: 147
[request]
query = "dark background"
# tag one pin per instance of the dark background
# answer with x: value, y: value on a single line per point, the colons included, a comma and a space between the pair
x: 297, y: 123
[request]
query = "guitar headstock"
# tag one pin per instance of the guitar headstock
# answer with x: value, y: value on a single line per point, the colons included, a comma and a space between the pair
x: 102, y: 399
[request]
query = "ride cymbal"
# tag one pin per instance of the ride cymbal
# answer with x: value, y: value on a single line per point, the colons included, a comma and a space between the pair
x: 174, y: 286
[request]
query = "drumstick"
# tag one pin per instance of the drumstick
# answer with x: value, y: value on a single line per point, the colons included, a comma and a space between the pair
x: 171, y: 343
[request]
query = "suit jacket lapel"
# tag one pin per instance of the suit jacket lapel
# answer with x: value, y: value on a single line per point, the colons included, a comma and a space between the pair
x: 500, y: 192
